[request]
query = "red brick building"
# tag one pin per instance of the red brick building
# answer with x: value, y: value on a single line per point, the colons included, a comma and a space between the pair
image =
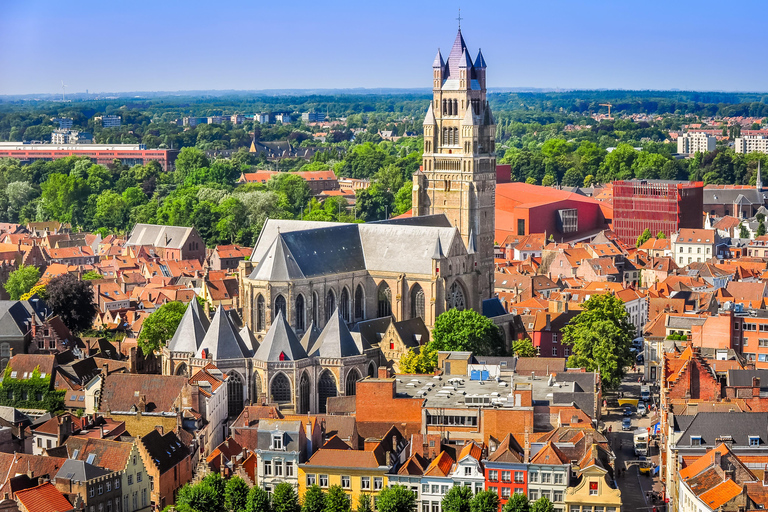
x: 657, y: 205
x: 102, y: 154
x: 506, y: 470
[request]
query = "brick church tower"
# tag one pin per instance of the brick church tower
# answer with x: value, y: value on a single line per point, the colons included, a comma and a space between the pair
x: 458, y: 176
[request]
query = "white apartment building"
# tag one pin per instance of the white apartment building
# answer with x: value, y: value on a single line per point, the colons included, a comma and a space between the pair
x: 750, y: 144
x: 694, y: 245
x: 65, y: 123
x: 109, y: 121
x: 261, y: 118
x: 283, y: 118
x: 237, y: 118
x: 70, y: 137
x: 695, y: 142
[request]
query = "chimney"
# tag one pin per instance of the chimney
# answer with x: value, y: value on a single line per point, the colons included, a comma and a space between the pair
x: 718, y: 458
x: 527, y: 447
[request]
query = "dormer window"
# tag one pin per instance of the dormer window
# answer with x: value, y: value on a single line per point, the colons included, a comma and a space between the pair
x: 695, y: 440
x: 277, y: 441
x: 754, y: 440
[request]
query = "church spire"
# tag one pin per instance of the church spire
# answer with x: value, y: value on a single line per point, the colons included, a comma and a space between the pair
x: 759, y: 183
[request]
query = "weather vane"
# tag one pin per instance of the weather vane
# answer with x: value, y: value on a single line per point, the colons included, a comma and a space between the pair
x: 459, y: 18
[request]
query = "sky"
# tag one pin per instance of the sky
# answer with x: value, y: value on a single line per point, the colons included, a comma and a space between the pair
x: 169, y: 45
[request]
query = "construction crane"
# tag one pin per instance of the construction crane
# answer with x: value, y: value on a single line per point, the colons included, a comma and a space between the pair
x: 609, y: 105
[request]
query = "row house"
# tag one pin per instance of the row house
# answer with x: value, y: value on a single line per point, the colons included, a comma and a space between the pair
x: 72, y: 256
x: 506, y: 471
x: 168, y: 464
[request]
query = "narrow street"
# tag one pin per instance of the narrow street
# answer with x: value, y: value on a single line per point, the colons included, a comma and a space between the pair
x: 634, y: 485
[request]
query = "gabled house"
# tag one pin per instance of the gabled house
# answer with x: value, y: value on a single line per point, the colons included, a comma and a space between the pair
x: 506, y: 471
x: 168, y: 463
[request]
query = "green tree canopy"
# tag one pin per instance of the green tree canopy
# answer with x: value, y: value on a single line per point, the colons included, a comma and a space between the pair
x: 314, y: 499
x: 743, y: 232
x: 236, y: 494
x: 284, y: 498
x: 660, y: 235
x: 364, y: 503
x: 517, y: 503
x: 336, y: 500
x: 600, y: 337
x: 160, y: 326
x: 396, y: 498
x: 293, y: 187
x: 466, y: 330
x: 524, y: 348
x: 91, y: 275
x: 21, y: 280
x: 542, y: 505
x: 423, y: 361
x: 258, y: 500
x: 485, y: 501
x: 72, y: 300
x: 201, y: 497
x: 644, y: 237
x: 457, y: 499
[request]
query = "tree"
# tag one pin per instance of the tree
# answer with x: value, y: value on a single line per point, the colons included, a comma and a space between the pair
x: 336, y: 500
x: 485, y: 501
x: 760, y: 229
x: 217, y: 483
x: 201, y: 497
x: 660, y: 235
x: 314, y: 499
x: 588, y: 180
x: 548, y: 180
x: 285, y: 499
x: 293, y: 187
x: 91, y: 275
x: 600, y: 337
x: 542, y: 505
x: 189, y: 161
x: 466, y: 330
x: 72, y: 300
x: 743, y: 233
x: 374, y: 203
x: 524, y: 348
x: 396, y: 498
x: 160, y: 326
x: 21, y: 280
x: 364, y: 503
x: 425, y: 361
x: 39, y: 289
x: 258, y: 500
x: 236, y: 494
x: 644, y: 237
x: 530, y: 180
x: 457, y: 499
x: 517, y: 503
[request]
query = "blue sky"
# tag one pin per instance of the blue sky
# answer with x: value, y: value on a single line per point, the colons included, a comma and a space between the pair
x: 139, y: 45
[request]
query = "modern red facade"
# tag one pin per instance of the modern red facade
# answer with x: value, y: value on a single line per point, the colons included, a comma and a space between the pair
x: 506, y: 479
x: 664, y: 206
x: 129, y: 157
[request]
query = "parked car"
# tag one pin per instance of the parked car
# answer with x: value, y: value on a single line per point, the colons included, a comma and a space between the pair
x: 627, y: 410
x: 641, y: 409
x: 640, y: 359
x: 626, y: 424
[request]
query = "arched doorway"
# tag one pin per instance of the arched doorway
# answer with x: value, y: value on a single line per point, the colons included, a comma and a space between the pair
x: 344, y: 304
x: 280, y: 389
x: 235, y: 392
x: 300, y: 312
x: 304, y: 393
x: 327, y: 388
x: 279, y: 306
x: 330, y: 304
x: 351, y: 385
x: 260, y: 313
x: 315, y: 302
x: 181, y: 369
x: 417, y: 301
x: 455, y: 299
x: 359, y: 303
x: 385, y: 300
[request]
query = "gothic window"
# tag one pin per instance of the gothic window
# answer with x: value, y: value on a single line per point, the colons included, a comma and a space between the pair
x: 417, y: 301
x: 300, y: 312
x: 371, y: 369
x: 279, y: 306
x: 443, y: 110
x: 445, y: 137
x: 181, y: 369
x: 344, y: 304
x: 456, y: 297
x: 326, y: 388
x: 281, y: 389
x: 235, y: 392
x: 352, y: 377
x: 385, y: 300
x: 359, y: 303
x: 260, y: 313
x: 455, y: 136
x: 314, y: 308
x: 304, y: 395
x: 330, y: 304
x: 455, y: 107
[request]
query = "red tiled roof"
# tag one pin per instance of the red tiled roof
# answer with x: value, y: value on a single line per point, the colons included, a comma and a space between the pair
x: 43, y: 498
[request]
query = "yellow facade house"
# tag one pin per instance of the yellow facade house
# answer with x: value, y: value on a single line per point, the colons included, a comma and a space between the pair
x: 594, y: 492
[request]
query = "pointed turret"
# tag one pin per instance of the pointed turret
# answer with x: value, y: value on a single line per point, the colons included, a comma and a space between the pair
x: 278, y: 264
x: 191, y: 330
x: 222, y: 340
x: 280, y: 343
x: 472, y: 244
x: 480, y: 61
x: 429, y: 119
x: 465, y: 61
x: 439, y: 62
x: 249, y: 339
x: 759, y: 182
x: 438, y: 254
x: 335, y: 341
x: 310, y: 336
x: 454, y: 58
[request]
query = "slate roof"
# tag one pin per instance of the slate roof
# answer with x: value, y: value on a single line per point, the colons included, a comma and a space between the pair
x: 249, y: 339
x: 171, y: 237
x: 712, y: 427
x: 80, y: 471
x: 278, y: 263
x: 222, y: 341
x: 166, y: 451
x: 280, y: 339
x: 191, y: 330
x: 335, y: 340
x: 310, y: 337
x: 14, y: 315
x: 455, y: 57
x: 743, y: 378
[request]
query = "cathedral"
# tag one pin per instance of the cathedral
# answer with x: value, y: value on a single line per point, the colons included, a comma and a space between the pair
x: 307, y: 285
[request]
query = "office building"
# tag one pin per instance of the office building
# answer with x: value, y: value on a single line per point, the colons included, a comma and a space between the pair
x: 313, y: 117
x: 751, y: 143
x: 70, y: 137
x: 104, y: 154
x: 261, y: 118
x: 109, y: 121
x: 695, y: 142
x: 65, y: 123
x: 658, y: 205
x: 283, y: 118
